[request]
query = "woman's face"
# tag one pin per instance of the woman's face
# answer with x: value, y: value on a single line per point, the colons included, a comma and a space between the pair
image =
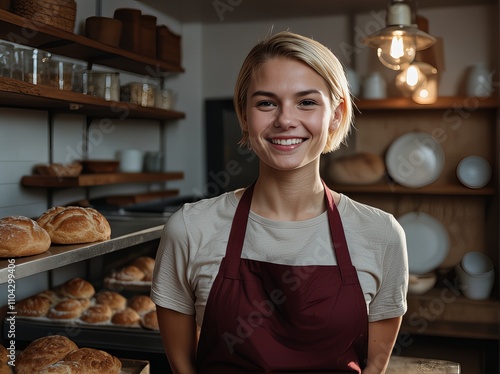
x: 289, y: 114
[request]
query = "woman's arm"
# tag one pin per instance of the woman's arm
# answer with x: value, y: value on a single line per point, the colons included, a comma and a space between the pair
x: 178, y: 332
x: 382, y: 336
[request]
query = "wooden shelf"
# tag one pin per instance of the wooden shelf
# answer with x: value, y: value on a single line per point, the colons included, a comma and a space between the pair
x: 393, y: 188
x: 34, y: 34
x: 18, y: 94
x: 449, y: 102
x: 87, y: 180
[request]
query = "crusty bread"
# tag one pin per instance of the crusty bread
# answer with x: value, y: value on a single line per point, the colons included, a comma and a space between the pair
x: 21, y: 236
x: 4, y: 368
x: 68, y: 309
x: 3, y: 354
x: 98, y: 313
x: 360, y: 168
x: 33, y: 306
x: 51, y: 295
x: 112, y: 299
x: 94, y: 361
x: 73, y: 225
x: 42, y: 353
x: 141, y: 304
x: 150, y: 321
x: 77, y: 288
x: 147, y: 265
x: 130, y: 273
x: 126, y: 317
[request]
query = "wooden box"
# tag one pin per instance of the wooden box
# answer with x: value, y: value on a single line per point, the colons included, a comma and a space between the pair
x: 168, y: 45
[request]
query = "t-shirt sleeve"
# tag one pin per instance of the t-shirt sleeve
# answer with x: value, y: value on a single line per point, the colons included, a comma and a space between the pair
x: 170, y: 286
x: 390, y: 300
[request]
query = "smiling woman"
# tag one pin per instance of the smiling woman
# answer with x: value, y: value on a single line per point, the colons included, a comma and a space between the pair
x: 285, y: 274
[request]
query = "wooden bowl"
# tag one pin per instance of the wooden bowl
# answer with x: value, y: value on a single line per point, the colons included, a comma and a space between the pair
x: 104, y: 29
x: 100, y: 166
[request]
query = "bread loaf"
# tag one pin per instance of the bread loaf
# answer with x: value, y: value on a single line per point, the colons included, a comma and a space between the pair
x: 77, y: 288
x: 94, y: 361
x: 150, y: 321
x: 112, y: 299
x: 141, y: 304
x: 42, y: 353
x: 33, y: 306
x: 73, y: 225
x: 68, y: 309
x: 126, y: 317
x: 147, y: 265
x: 130, y: 273
x: 361, y: 168
x: 21, y: 236
x: 98, y: 313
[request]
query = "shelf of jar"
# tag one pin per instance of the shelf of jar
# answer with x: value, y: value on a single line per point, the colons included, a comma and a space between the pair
x: 87, y: 180
x: 448, y: 102
x: 20, y: 30
x: 433, y: 189
x: 19, y: 94
x: 445, y: 312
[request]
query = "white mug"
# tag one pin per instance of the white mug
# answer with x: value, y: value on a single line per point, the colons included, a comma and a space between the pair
x: 130, y: 160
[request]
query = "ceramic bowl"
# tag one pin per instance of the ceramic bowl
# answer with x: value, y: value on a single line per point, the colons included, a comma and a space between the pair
x: 420, y: 284
x: 475, y: 287
x: 474, y: 172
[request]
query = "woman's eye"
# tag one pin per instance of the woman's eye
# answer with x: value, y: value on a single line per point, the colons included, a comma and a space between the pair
x: 307, y: 103
x: 265, y: 104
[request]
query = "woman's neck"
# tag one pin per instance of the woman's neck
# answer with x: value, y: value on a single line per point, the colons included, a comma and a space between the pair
x: 288, y: 195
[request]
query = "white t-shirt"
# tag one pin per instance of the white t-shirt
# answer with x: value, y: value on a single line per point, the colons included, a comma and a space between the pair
x: 194, y: 242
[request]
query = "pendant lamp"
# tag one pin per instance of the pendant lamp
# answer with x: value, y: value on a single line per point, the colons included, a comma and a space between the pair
x: 398, y: 42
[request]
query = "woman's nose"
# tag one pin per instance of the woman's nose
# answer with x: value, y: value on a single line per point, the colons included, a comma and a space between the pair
x: 286, y: 118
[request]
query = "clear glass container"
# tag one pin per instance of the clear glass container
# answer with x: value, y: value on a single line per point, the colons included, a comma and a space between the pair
x: 106, y: 85
x: 36, y: 66
x: 6, y: 56
x: 143, y: 94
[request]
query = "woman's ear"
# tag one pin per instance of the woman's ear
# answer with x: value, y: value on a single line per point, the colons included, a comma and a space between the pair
x: 336, y: 118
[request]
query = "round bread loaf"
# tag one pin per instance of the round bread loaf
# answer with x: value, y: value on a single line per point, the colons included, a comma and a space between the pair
x: 112, y: 299
x: 33, y: 306
x: 73, y: 225
x: 43, y: 352
x: 126, y: 317
x: 94, y: 361
x: 147, y: 265
x: 150, y: 321
x: 67, y: 309
x: 130, y: 273
x: 141, y: 304
x: 21, y: 236
x: 77, y: 288
x: 98, y: 313
x: 51, y: 295
x: 360, y: 168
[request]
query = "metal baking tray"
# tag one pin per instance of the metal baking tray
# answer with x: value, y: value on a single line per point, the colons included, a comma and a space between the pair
x: 102, y: 337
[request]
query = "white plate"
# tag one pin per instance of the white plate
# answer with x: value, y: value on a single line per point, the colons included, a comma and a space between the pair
x: 427, y: 241
x: 415, y: 159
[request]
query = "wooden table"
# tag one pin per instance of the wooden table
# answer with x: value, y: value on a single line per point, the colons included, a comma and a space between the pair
x: 413, y: 365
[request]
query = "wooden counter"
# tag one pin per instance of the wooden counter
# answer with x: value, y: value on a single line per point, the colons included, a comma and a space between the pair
x: 413, y: 365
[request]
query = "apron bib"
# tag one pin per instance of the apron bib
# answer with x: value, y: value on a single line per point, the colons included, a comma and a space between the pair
x: 266, y: 317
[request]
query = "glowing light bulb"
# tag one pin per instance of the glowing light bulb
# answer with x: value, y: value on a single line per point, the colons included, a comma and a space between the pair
x: 412, y: 76
x: 397, y: 47
x: 397, y: 51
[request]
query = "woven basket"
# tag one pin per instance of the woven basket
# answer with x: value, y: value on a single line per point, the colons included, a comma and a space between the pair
x: 57, y: 13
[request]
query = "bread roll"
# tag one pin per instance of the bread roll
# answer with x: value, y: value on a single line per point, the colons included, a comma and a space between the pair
x: 112, y: 299
x: 21, y: 236
x: 33, y: 306
x: 129, y: 273
x: 68, y: 309
x: 361, y: 168
x: 4, y: 368
x: 73, y: 225
x: 98, y: 313
x: 94, y: 361
x: 147, y: 265
x: 51, y: 295
x: 141, y: 304
x: 77, y: 288
x: 42, y: 353
x: 126, y: 317
x: 150, y: 321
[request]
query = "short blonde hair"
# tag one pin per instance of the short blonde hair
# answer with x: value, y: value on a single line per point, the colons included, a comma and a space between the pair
x: 289, y: 45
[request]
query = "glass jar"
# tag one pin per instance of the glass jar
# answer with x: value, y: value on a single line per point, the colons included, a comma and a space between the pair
x: 143, y: 94
x: 36, y: 66
x: 6, y: 56
x: 106, y: 85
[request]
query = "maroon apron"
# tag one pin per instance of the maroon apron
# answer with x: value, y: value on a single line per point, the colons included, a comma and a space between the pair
x: 267, y: 317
